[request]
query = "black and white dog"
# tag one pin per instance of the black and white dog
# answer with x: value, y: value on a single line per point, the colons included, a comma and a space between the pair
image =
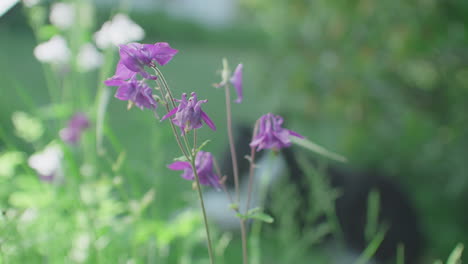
x: 395, y: 210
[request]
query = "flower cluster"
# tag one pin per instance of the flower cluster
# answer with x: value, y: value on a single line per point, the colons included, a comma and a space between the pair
x: 134, y: 57
x: 204, y: 165
x: 271, y: 135
x: 189, y: 115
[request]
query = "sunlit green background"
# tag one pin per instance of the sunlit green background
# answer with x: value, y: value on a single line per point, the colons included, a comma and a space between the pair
x: 384, y: 83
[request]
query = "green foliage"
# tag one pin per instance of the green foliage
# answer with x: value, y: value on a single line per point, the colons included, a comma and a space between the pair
x: 385, y: 83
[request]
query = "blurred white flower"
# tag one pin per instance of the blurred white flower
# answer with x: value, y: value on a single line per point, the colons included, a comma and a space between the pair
x: 48, y: 163
x: 30, y: 3
x: 53, y: 51
x: 119, y: 30
x: 89, y: 58
x: 79, y: 252
x: 6, y: 5
x: 62, y: 15
x: 28, y: 216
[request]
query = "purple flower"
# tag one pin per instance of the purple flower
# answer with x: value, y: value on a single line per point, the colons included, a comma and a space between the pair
x: 135, y: 56
x: 204, y: 165
x: 189, y: 115
x: 72, y: 133
x: 137, y: 92
x: 236, y: 81
x: 271, y: 135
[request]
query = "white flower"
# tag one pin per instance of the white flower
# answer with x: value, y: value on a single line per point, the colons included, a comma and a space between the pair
x: 119, y: 30
x: 53, y: 51
x: 47, y: 163
x: 5, y: 5
x: 89, y: 58
x: 62, y: 15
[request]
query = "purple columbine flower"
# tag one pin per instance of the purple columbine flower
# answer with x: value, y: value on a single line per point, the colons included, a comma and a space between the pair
x: 271, y: 135
x: 204, y: 165
x: 77, y: 124
x: 236, y: 81
x: 189, y: 115
x: 137, y: 92
x: 135, y: 56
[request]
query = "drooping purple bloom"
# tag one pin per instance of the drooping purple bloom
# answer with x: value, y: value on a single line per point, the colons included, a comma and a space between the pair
x: 135, y: 56
x: 236, y: 81
x: 77, y: 124
x: 271, y: 135
x: 137, y: 92
x: 189, y: 115
x: 204, y: 165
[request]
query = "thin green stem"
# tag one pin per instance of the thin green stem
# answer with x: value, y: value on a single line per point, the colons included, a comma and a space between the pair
x: 231, y: 142
x: 166, y: 86
x: 190, y: 155
x: 252, y: 169
x: 244, y: 241
x: 194, y: 141
x: 174, y: 130
x: 202, y: 204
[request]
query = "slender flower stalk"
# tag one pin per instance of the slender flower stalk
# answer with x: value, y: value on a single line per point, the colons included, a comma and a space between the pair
x: 202, y: 205
x: 232, y: 146
x: 252, y: 168
x: 236, y: 81
x: 190, y: 155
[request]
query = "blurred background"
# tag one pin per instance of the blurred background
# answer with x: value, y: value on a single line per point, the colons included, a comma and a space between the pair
x: 385, y: 83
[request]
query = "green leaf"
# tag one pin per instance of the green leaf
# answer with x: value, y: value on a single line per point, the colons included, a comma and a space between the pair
x: 234, y: 206
x: 256, y: 213
x: 48, y: 31
x: 262, y: 217
x: 181, y: 158
x: 203, y: 145
x: 307, y: 144
x: 455, y: 256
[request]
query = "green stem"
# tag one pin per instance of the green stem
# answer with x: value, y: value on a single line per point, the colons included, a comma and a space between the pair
x: 190, y: 155
x: 202, y: 204
x: 231, y: 142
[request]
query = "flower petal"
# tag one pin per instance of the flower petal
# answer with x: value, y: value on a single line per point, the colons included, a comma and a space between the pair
x: 126, y: 92
x: 179, y: 165
x: 207, y: 120
x: 236, y: 81
x: 161, y: 52
x: 171, y: 113
x: 122, y: 73
x: 292, y: 133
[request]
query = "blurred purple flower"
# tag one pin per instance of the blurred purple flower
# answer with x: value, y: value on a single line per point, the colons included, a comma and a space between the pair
x: 236, y: 81
x: 137, y: 92
x: 271, y: 135
x: 77, y: 124
x: 135, y: 56
x: 189, y: 115
x: 204, y: 165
